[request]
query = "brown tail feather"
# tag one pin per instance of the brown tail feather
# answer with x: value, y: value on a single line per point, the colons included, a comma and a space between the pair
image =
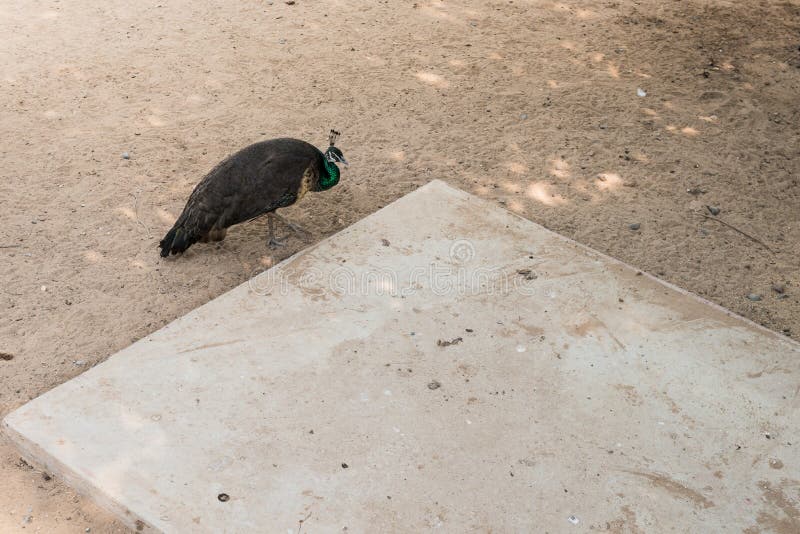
x: 177, y: 240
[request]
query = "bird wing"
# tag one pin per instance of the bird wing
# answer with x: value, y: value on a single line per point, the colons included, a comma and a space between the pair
x: 242, y: 188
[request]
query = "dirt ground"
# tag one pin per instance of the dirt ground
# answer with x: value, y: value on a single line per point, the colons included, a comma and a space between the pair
x: 533, y: 104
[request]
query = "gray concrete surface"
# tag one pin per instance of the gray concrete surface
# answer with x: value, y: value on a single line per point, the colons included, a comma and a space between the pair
x: 441, y: 365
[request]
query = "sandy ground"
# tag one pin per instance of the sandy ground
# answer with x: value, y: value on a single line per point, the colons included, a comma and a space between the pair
x: 532, y: 104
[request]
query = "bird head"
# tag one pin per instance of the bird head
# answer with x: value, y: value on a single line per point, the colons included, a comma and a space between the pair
x: 333, y: 154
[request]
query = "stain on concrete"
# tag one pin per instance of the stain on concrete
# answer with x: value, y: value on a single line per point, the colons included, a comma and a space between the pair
x: 674, y: 488
x: 783, y: 514
x: 211, y: 345
x: 632, y: 396
x: 626, y: 524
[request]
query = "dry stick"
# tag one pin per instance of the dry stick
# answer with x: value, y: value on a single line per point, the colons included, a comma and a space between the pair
x: 732, y: 227
x: 10, y: 246
x: 300, y: 528
x: 136, y: 211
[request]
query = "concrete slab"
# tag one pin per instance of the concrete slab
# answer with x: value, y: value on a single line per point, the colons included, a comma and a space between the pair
x: 442, y: 364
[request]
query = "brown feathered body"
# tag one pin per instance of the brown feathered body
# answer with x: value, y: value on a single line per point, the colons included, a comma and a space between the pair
x: 256, y: 180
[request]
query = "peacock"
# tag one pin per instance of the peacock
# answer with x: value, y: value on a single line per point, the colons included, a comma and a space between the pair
x: 256, y: 180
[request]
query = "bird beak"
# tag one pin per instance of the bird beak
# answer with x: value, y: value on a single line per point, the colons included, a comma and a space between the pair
x: 345, y: 162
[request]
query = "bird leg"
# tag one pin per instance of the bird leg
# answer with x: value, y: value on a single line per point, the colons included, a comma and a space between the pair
x: 272, y: 242
x: 296, y: 228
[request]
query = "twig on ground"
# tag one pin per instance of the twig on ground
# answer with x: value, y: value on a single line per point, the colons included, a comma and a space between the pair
x: 732, y: 227
x: 10, y: 246
x: 136, y: 211
x: 300, y: 528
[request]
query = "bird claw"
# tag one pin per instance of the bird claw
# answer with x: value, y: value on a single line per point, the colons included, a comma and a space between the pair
x: 297, y: 228
x: 274, y: 243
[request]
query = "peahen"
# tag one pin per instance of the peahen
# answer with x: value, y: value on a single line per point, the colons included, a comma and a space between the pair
x: 256, y: 180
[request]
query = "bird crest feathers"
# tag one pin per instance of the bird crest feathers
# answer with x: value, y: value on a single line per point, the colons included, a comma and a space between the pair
x: 334, y: 135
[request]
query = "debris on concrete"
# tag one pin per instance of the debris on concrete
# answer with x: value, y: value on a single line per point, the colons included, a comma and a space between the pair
x: 444, y: 343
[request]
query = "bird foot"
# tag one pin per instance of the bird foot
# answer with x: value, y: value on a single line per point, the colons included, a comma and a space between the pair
x: 274, y: 242
x: 297, y: 228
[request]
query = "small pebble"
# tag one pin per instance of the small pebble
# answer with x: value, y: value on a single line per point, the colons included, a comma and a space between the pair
x: 282, y: 41
x: 125, y: 155
x: 434, y: 384
x: 523, y: 116
x: 755, y: 297
x: 574, y: 520
x: 713, y: 210
x: 779, y: 288
x: 641, y: 92
x: 634, y: 226
x: 344, y: 465
x: 775, y: 463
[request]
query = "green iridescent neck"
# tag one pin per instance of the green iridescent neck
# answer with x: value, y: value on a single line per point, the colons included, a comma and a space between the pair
x: 330, y: 177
